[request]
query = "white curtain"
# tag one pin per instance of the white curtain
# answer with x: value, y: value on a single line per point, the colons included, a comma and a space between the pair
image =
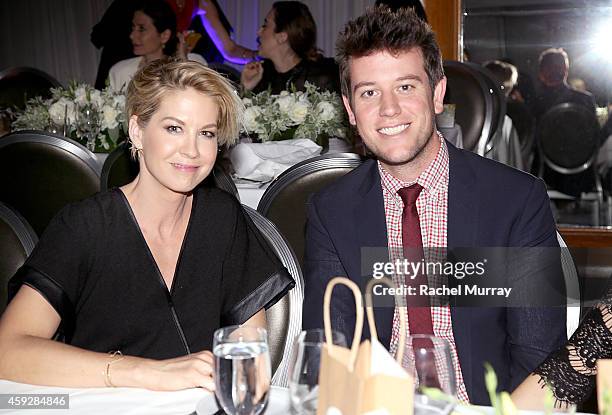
x: 53, y: 35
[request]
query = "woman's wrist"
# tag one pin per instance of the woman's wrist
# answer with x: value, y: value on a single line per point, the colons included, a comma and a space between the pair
x: 248, y: 54
x: 128, y: 371
x: 114, y: 357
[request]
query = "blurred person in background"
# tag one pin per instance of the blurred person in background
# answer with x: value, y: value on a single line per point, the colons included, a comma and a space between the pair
x: 518, y: 122
x: 554, y: 89
x: 287, y: 42
x: 111, y: 34
x: 153, y: 37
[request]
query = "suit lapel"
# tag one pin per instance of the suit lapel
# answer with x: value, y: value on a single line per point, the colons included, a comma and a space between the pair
x: 462, y: 229
x: 462, y: 201
x: 371, y: 225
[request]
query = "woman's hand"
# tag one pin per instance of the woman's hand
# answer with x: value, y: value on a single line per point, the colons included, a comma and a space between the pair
x: 251, y: 75
x: 182, y: 50
x: 191, y: 371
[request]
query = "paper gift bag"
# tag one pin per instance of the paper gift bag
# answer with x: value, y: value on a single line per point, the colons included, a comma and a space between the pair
x: 364, y: 378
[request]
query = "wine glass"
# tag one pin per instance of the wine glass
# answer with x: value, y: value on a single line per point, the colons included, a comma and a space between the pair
x: 304, y: 369
x: 242, y: 369
x: 53, y: 127
x: 88, y: 124
x: 428, y: 359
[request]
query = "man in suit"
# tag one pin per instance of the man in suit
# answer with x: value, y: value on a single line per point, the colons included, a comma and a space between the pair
x: 393, y: 84
x: 553, y: 70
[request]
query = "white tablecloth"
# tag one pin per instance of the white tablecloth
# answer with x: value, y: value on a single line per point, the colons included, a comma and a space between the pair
x: 251, y: 193
x: 132, y: 401
x: 105, y: 401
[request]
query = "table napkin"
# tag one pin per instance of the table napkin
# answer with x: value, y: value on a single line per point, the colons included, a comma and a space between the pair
x: 265, y: 161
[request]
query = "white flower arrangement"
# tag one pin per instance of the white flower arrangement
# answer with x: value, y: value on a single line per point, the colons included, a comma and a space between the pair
x: 311, y: 114
x: 92, y: 117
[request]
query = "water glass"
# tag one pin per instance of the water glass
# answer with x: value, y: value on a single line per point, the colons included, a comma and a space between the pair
x: 88, y: 125
x: 304, y: 369
x: 428, y: 359
x: 242, y: 369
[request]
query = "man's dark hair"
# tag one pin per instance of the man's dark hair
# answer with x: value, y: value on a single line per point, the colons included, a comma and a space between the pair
x: 416, y: 5
x: 380, y: 29
x: 553, y: 66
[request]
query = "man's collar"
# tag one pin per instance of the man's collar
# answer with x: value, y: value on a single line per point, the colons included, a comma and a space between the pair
x: 431, y: 178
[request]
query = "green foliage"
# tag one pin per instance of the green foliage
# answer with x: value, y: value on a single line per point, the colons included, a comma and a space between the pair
x: 70, y: 107
x: 311, y: 114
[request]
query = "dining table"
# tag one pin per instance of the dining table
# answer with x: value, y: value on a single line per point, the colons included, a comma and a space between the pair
x: 94, y: 401
x: 135, y: 401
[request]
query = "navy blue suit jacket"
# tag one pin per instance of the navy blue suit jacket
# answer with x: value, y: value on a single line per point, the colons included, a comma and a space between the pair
x: 489, y: 205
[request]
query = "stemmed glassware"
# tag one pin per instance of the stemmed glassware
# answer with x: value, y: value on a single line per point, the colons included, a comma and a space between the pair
x: 304, y: 369
x: 242, y: 369
x: 88, y: 124
x: 429, y: 360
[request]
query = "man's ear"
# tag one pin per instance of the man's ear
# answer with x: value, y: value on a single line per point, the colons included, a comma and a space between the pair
x: 438, y: 96
x: 135, y: 132
x: 349, y: 110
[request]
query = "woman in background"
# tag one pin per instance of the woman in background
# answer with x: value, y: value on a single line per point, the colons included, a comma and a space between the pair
x: 137, y: 279
x: 153, y: 37
x: 111, y: 34
x: 287, y: 41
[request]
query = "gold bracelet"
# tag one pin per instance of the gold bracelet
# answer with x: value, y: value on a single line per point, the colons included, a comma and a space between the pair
x: 114, y: 358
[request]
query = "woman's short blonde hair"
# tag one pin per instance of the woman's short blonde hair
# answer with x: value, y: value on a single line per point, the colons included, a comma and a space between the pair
x: 150, y: 84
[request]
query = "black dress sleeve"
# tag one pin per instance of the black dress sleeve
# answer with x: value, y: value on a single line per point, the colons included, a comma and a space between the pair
x: 58, y: 265
x: 253, y: 276
x: 570, y: 371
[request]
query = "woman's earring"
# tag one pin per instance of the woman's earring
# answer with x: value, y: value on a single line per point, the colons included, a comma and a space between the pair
x: 135, y: 150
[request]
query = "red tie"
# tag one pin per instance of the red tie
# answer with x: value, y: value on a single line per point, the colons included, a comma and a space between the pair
x: 419, y: 314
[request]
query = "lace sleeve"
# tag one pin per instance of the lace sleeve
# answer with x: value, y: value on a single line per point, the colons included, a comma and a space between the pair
x: 570, y: 371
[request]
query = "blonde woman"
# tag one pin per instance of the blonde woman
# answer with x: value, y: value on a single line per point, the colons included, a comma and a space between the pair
x: 148, y: 271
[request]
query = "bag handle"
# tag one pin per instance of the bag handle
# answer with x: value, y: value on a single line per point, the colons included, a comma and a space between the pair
x: 359, y: 315
x: 402, y: 311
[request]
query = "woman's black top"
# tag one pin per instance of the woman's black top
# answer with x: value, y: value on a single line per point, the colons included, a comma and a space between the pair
x: 323, y: 73
x: 93, y: 266
x: 570, y: 371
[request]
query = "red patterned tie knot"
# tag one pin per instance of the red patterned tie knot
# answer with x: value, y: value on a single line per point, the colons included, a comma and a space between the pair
x: 410, y: 194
